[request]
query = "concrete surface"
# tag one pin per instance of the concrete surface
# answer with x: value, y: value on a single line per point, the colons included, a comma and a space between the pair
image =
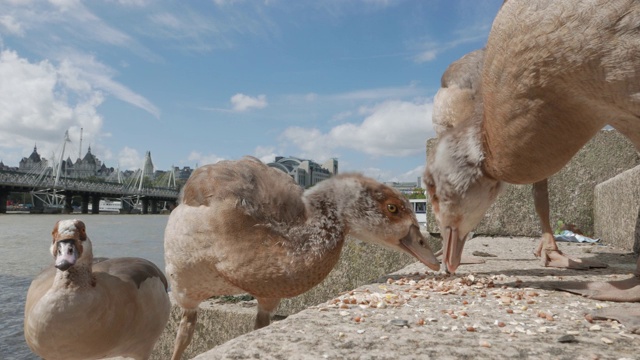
x: 617, y: 210
x: 502, y: 309
x: 218, y: 320
x: 571, y: 190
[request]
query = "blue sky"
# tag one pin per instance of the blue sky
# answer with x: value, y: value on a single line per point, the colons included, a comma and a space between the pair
x: 194, y: 82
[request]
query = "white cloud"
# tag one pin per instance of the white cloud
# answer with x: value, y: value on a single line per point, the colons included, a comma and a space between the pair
x: 391, y: 128
x: 426, y: 56
x: 129, y: 159
x: 11, y: 24
x: 241, y: 102
x: 199, y: 159
x: 266, y: 154
x: 341, y: 116
x: 411, y: 175
x: 83, y: 72
x: 38, y: 103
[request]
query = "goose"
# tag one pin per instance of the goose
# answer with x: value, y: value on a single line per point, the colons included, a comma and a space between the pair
x: 455, y: 101
x: 554, y: 74
x: 79, y: 308
x: 244, y: 227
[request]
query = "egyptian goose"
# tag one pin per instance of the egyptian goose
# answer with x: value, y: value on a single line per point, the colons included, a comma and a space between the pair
x: 554, y: 74
x: 244, y: 227
x: 456, y: 101
x: 81, y: 309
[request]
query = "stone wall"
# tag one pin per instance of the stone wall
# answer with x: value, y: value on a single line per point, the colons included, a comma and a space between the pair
x: 571, y: 190
x: 617, y: 210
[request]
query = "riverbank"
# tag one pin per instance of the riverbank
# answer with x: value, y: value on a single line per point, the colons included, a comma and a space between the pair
x: 502, y: 308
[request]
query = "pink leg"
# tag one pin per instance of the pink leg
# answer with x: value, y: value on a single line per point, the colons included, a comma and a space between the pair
x: 548, y: 250
x: 266, y: 307
x: 619, y: 291
x: 185, y: 332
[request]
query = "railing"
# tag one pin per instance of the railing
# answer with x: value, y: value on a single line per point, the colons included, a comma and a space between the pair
x: 39, y: 182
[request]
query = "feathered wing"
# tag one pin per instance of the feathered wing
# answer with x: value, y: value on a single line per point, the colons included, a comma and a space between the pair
x: 135, y: 270
x: 266, y: 194
x: 459, y: 93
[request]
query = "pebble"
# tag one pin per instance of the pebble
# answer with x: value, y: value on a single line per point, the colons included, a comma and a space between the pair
x: 399, y: 322
x: 567, y: 339
x: 595, y: 328
x: 607, y: 341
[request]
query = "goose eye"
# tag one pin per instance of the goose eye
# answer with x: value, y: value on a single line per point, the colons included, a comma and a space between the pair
x: 392, y: 208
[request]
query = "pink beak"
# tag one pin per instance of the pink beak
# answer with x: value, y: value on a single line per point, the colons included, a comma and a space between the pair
x: 453, y: 245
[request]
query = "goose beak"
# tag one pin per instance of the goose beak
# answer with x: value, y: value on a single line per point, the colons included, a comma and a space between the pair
x: 416, y: 244
x: 453, y: 245
x: 67, y: 254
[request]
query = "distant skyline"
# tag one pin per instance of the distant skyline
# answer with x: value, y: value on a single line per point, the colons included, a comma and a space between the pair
x: 197, y: 82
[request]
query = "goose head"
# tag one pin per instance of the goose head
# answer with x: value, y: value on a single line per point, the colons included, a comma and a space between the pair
x: 70, y: 244
x: 459, y: 190
x: 379, y: 214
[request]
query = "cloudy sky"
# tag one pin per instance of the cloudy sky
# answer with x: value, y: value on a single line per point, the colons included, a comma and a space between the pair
x: 194, y: 82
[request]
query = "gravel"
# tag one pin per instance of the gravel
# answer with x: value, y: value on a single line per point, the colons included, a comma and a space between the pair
x: 503, y: 308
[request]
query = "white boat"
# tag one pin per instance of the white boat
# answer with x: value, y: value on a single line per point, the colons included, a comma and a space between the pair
x: 420, y: 209
x: 106, y: 205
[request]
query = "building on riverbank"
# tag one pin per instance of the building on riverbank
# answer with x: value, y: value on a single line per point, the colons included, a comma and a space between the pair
x: 306, y: 172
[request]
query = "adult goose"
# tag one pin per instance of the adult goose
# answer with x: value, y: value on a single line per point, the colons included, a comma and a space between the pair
x: 81, y: 309
x: 554, y: 74
x: 456, y: 100
x: 244, y: 227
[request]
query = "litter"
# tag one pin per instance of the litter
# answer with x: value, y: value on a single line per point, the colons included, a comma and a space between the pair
x: 570, y: 236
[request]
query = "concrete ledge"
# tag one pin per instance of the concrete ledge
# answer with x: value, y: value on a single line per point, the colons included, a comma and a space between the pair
x: 617, y: 210
x: 360, y: 263
x: 570, y: 191
x: 417, y: 321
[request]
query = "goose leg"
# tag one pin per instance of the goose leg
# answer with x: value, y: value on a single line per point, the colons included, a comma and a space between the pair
x: 548, y: 250
x: 266, y: 307
x: 185, y: 332
x: 627, y: 290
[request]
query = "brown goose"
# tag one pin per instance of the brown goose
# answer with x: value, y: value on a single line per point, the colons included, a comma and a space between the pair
x: 81, y: 309
x: 455, y: 102
x: 554, y: 74
x: 244, y: 227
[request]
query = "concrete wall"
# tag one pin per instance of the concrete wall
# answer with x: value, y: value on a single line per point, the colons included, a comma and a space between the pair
x: 617, y: 210
x: 360, y: 263
x: 571, y: 190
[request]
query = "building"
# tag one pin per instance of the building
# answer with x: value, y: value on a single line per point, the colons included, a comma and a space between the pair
x: 148, y: 165
x: 305, y: 173
x: 33, y: 163
x: 406, y: 188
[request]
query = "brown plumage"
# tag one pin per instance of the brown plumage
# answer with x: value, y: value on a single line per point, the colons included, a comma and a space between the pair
x: 244, y: 227
x: 81, y: 309
x: 456, y: 101
x: 554, y: 74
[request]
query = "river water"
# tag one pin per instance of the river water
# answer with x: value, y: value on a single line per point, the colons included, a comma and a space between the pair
x: 24, y: 243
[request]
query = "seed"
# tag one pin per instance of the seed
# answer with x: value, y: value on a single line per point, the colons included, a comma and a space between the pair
x: 471, y: 329
x: 485, y: 344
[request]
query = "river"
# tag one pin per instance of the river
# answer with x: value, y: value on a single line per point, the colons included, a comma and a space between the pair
x: 25, y: 240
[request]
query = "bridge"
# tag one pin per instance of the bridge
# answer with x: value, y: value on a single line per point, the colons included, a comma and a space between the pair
x: 62, y: 190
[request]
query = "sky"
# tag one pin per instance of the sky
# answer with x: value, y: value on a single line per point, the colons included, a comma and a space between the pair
x: 195, y: 82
